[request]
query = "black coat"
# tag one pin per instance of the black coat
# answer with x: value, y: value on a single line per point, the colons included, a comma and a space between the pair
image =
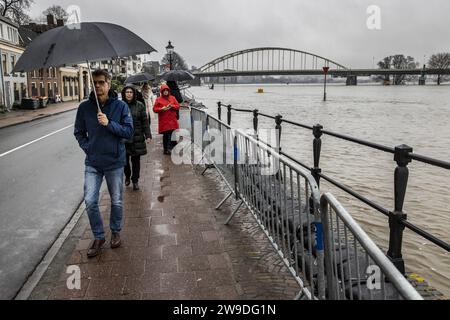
x: 136, y: 146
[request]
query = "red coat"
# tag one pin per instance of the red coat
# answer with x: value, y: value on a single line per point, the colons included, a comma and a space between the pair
x: 167, y: 120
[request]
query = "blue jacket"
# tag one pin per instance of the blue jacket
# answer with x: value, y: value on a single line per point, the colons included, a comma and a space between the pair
x: 104, y: 146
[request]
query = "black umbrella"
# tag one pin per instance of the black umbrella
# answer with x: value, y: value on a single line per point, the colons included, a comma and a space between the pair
x: 140, y: 77
x: 92, y: 41
x: 80, y: 43
x: 177, y: 75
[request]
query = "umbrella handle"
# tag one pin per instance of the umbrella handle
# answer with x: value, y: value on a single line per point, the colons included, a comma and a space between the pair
x: 93, y: 87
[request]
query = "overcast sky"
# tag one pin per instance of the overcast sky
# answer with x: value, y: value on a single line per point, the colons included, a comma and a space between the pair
x: 202, y: 30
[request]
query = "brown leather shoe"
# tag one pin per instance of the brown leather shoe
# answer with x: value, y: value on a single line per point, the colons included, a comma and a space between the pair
x: 115, y: 240
x: 96, y: 248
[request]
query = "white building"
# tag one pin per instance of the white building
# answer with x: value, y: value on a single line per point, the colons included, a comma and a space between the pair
x: 13, y: 86
x: 120, y: 67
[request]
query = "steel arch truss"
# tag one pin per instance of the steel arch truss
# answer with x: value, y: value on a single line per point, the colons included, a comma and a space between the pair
x: 269, y: 59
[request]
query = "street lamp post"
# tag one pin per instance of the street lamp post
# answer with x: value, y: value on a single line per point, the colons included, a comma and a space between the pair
x: 325, y: 70
x: 170, y: 49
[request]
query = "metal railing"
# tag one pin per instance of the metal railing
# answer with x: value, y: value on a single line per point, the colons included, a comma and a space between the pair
x: 282, y: 197
x: 356, y: 269
x: 403, y: 156
x: 279, y: 199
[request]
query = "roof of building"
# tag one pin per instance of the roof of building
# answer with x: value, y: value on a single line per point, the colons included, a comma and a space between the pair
x: 27, y: 35
x: 8, y: 21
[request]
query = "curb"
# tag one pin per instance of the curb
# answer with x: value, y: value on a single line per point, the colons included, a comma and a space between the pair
x: 35, y: 277
x: 37, y: 118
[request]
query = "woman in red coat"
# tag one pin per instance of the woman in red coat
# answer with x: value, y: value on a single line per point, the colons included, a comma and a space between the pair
x: 166, y: 107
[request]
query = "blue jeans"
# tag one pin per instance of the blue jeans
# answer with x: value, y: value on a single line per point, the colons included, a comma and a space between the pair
x: 93, y: 179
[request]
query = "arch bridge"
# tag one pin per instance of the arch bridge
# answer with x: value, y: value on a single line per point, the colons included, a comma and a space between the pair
x: 268, y: 61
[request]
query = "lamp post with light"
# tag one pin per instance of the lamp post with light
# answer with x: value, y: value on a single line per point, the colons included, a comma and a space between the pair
x: 170, y: 49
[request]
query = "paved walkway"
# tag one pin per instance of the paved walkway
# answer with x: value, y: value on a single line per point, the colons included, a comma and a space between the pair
x: 20, y: 116
x: 175, y: 245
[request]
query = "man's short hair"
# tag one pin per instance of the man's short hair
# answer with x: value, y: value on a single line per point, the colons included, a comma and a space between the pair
x: 102, y: 72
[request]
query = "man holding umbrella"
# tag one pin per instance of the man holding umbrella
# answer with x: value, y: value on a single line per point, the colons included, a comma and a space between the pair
x: 101, y: 129
x: 103, y: 122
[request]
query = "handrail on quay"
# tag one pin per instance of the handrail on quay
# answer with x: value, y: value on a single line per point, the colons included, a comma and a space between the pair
x: 288, y: 207
x: 403, y: 156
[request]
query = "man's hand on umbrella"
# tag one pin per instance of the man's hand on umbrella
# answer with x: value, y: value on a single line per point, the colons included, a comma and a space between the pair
x: 102, y: 119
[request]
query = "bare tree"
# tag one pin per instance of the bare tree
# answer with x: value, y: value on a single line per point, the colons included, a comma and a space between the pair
x: 439, y: 61
x: 57, y: 11
x: 398, y: 61
x: 20, y: 17
x: 386, y: 64
x: 16, y: 10
x: 178, y: 62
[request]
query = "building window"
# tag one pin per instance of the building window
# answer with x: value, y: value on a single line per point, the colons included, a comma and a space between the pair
x: 42, y: 89
x: 4, y: 65
x: 49, y: 89
x: 41, y: 73
x: 65, y: 84
x: 34, y: 92
x: 16, y: 92
x: 1, y: 31
x: 23, y: 89
x: 71, y: 87
x: 13, y: 62
x: 55, y: 88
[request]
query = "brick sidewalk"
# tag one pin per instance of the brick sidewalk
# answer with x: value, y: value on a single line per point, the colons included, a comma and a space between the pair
x: 175, y: 245
x: 20, y: 116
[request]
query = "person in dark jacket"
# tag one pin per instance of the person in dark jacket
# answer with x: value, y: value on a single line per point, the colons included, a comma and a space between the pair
x: 136, y: 145
x: 101, y: 135
x: 175, y: 91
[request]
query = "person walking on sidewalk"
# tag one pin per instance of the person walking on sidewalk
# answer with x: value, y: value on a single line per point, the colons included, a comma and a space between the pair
x: 149, y: 101
x: 101, y: 136
x: 166, y: 106
x: 136, y: 147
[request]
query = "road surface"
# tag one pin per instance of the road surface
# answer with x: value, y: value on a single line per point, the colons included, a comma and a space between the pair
x: 41, y: 174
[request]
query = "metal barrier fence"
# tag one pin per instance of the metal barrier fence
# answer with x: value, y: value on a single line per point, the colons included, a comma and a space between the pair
x: 277, y: 192
x: 284, y: 199
x: 356, y: 269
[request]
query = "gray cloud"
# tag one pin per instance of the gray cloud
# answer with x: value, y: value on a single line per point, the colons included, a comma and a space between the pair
x: 202, y: 30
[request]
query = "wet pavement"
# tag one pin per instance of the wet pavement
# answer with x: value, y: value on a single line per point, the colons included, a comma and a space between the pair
x: 175, y: 245
x: 42, y: 171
